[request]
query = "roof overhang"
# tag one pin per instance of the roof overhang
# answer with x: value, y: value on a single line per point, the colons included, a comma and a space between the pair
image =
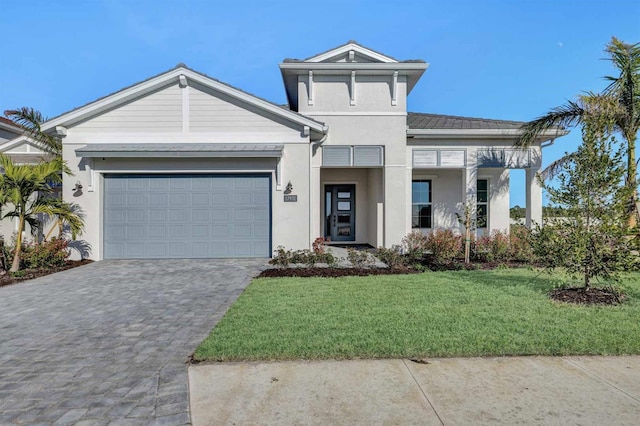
x: 185, y: 150
x: 177, y: 76
x: 290, y: 71
x: 479, y: 134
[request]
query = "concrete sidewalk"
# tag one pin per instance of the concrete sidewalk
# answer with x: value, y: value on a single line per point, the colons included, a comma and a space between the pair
x: 460, y: 391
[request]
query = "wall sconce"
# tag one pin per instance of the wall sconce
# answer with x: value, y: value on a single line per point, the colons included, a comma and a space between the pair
x: 78, y: 187
x: 289, y: 188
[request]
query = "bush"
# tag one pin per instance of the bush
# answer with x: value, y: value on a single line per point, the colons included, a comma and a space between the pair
x: 443, y: 246
x: 392, y: 257
x: 520, y: 248
x: 47, y: 254
x: 414, y: 245
x: 282, y: 258
x: 493, y: 247
x: 359, y: 258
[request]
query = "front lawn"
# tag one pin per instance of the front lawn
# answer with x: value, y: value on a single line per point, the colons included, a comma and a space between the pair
x: 436, y: 314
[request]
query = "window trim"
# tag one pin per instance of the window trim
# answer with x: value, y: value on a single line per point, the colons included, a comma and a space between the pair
x: 430, y: 203
x: 483, y: 203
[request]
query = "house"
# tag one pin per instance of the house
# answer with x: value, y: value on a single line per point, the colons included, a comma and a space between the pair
x: 182, y: 165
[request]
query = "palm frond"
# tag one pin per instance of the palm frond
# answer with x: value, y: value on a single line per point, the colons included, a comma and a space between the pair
x: 563, y: 116
x: 30, y: 120
x: 553, y: 169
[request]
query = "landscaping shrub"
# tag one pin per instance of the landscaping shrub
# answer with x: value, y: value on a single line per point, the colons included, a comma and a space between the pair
x: 359, y: 258
x: 392, y: 257
x: 493, y: 247
x: 414, y: 245
x: 282, y: 258
x: 46, y: 254
x: 444, y: 246
x: 520, y: 249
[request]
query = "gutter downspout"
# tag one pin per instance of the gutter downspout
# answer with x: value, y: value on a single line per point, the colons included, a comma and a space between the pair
x: 325, y: 131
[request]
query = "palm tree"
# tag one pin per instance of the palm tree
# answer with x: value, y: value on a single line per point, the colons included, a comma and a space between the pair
x: 30, y: 120
x: 618, y: 104
x: 27, y: 188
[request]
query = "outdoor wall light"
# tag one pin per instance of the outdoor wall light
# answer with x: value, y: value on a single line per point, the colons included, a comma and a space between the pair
x: 78, y: 187
x: 289, y: 188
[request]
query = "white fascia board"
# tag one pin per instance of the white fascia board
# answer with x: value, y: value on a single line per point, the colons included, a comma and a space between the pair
x: 10, y: 127
x: 347, y: 67
x: 478, y: 133
x: 356, y: 48
x: 168, y: 78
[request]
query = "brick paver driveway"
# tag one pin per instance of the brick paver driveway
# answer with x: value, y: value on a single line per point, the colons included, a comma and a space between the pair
x: 107, y: 342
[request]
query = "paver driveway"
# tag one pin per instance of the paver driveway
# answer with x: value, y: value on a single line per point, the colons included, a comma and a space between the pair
x: 107, y: 342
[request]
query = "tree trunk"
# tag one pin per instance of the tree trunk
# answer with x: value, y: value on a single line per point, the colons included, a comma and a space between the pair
x: 634, y: 213
x: 15, y: 266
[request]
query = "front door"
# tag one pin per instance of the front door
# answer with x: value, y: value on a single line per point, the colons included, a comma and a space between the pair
x: 340, y: 212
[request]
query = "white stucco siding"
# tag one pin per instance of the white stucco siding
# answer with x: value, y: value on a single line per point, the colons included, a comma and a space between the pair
x: 332, y: 93
x: 498, y: 198
x: 160, y: 111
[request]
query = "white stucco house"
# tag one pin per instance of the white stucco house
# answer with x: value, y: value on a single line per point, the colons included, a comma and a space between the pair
x: 182, y: 165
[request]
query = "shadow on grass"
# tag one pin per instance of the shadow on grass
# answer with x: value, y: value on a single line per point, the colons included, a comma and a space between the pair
x: 503, y: 279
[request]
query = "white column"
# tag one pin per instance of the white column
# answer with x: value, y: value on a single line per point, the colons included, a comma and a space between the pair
x: 470, y: 185
x: 534, y: 198
x: 395, y: 204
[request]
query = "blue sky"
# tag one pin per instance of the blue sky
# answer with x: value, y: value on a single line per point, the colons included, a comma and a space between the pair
x: 494, y: 59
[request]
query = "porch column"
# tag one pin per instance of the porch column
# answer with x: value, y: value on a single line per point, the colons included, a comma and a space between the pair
x: 315, y: 196
x: 395, y: 204
x: 470, y: 186
x: 534, y: 198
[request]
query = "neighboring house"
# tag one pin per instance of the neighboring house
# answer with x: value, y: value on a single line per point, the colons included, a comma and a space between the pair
x: 183, y: 165
x: 21, y: 150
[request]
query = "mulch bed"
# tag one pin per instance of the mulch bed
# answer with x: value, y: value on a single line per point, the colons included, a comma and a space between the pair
x: 587, y: 296
x: 332, y: 272
x: 29, y: 274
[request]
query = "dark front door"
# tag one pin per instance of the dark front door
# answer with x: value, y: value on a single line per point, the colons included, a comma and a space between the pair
x: 340, y: 212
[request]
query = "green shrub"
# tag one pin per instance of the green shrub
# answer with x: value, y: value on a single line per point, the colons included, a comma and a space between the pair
x: 520, y: 248
x: 414, y: 245
x: 444, y: 246
x: 282, y: 258
x: 492, y: 248
x: 392, y: 257
x: 359, y: 258
x: 47, y: 254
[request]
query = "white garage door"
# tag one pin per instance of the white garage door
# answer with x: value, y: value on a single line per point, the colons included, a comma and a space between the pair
x: 187, y: 216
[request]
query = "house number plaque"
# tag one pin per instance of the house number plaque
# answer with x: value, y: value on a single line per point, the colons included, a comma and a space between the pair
x: 290, y: 198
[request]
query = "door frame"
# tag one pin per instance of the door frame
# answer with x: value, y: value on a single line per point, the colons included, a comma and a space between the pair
x: 328, y: 229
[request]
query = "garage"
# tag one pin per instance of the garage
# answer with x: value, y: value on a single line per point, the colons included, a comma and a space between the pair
x: 164, y: 216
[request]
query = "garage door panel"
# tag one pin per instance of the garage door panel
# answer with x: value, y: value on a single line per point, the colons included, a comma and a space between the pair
x: 187, y: 216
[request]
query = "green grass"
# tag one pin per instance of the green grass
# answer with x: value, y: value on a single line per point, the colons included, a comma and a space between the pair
x: 443, y: 314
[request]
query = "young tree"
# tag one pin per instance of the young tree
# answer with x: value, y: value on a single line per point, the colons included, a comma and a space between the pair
x: 26, y: 190
x: 590, y: 240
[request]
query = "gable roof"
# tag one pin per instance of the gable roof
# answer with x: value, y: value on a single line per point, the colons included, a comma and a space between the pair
x: 168, y: 78
x: 425, y: 125
x: 324, y: 62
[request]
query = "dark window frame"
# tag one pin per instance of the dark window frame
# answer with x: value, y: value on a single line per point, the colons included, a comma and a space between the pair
x: 425, y: 210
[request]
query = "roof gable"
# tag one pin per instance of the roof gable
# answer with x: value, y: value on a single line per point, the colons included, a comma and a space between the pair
x: 181, y: 74
x: 351, y: 51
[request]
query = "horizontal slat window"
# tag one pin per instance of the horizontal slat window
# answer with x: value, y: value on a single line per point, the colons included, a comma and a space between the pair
x: 367, y: 156
x: 500, y: 157
x: 453, y: 158
x: 423, y: 158
x: 336, y: 156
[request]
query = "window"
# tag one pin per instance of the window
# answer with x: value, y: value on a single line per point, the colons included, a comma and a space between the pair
x: 421, y: 204
x: 482, y: 202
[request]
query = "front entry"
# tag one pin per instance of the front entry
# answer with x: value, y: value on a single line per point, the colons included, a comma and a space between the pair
x: 340, y: 212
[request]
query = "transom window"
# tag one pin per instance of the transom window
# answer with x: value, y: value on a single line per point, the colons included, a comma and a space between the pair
x: 482, y: 202
x: 421, y: 204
